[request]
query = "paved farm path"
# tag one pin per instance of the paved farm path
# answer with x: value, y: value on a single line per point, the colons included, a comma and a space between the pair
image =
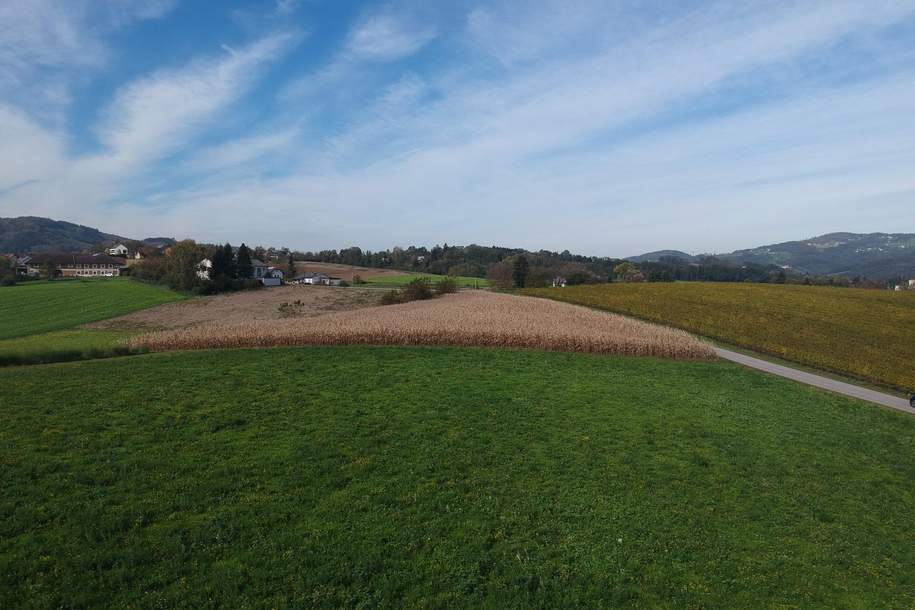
x: 886, y: 400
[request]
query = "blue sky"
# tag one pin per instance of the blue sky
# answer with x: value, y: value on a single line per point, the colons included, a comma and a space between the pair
x: 596, y: 126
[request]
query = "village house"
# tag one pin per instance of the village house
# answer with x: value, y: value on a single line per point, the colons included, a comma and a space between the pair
x: 258, y: 269
x: 259, y: 272
x: 273, y: 277
x: 317, y: 279
x: 309, y: 278
x: 74, y: 265
x: 118, y: 250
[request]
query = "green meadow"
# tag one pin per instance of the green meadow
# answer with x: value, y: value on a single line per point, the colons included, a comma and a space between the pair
x: 38, y: 319
x: 439, y: 477
x: 31, y: 308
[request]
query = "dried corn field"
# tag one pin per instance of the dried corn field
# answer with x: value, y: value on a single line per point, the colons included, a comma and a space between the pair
x: 470, y: 318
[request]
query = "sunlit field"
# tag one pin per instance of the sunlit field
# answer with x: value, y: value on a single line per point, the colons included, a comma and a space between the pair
x: 862, y: 333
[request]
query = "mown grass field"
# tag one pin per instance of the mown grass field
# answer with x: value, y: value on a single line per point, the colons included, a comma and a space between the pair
x: 866, y: 334
x: 446, y: 477
x: 402, y: 280
x: 31, y: 308
x: 62, y: 346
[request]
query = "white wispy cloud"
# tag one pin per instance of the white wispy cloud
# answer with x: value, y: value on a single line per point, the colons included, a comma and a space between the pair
x: 46, y: 44
x: 148, y: 119
x: 566, y: 125
x: 387, y: 37
x: 156, y: 114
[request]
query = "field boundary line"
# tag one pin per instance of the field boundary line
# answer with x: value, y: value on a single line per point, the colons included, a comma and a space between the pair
x: 818, y: 381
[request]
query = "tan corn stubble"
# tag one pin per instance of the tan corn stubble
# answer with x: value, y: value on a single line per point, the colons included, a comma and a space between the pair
x: 470, y: 318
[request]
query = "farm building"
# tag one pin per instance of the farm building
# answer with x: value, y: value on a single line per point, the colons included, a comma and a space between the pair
x: 273, y: 277
x: 74, y: 265
x: 309, y: 278
x: 316, y: 279
x: 118, y: 250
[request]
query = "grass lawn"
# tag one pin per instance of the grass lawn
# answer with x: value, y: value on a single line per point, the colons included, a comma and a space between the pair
x: 31, y: 308
x: 865, y: 334
x: 61, y: 345
x: 447, y: 478
x: 402, y: 280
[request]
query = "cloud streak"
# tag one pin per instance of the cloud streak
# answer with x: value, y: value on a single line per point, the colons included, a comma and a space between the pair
x: 593, y: 127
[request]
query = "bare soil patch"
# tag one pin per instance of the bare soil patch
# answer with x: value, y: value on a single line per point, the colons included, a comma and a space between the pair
x: 345, y: 272
x: 471, y: 318
x: 255, y: 306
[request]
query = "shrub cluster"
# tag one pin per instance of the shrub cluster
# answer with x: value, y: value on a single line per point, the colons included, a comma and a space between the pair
x: 420, y: 289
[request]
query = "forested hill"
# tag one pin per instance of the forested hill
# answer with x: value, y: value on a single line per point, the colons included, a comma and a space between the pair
x: 34, y: 234
x: 872, y: 255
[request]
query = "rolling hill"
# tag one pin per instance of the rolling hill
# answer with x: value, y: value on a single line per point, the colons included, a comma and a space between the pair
x: 653, y: 257
x: 872, y: 255
x: 34, y: 234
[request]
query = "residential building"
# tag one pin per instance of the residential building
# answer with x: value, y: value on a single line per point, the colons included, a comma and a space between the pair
x: 203, y: 269
x: 258, y: 269
x: 310, y: 278
x: 259, y: 272
x: 118, y: 250
x: 74, y: 265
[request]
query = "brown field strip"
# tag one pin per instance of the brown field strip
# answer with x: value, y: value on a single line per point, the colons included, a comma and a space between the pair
x: 246, y: 306
x: 471, y: 318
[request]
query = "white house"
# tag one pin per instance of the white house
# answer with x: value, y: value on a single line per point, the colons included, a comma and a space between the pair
x: 259, y: 272
x: 275, y: 273
x: 203, y: 269
x: 911, y: 284
x: 118, y: 250
x: 311, y: 279
x: 317, y: 279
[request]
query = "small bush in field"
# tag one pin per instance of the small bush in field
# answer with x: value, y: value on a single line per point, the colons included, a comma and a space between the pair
x: 419, y: 289
x: 445, y: 286
x: 392, y: 297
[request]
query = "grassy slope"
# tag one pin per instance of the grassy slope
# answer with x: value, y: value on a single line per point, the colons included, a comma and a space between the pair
x: 446, y: 477
x: 38, y: 307
x: 401, y: 280
x: 32, y: 313
x: 862, y: 333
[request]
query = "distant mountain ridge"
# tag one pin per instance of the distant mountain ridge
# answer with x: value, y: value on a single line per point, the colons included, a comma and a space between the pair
x: 873, y: 255
x: 876, y: 256
x: 35, y: 234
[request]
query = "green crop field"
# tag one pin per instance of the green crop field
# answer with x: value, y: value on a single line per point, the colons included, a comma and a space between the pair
x: 436, y: 477
x: 402, y: 280
x: 866, y: 334
x: 31, y: 308
x: 61, y: 346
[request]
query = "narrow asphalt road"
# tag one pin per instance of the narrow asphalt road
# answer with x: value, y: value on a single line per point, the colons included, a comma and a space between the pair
x: 886, y: 400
